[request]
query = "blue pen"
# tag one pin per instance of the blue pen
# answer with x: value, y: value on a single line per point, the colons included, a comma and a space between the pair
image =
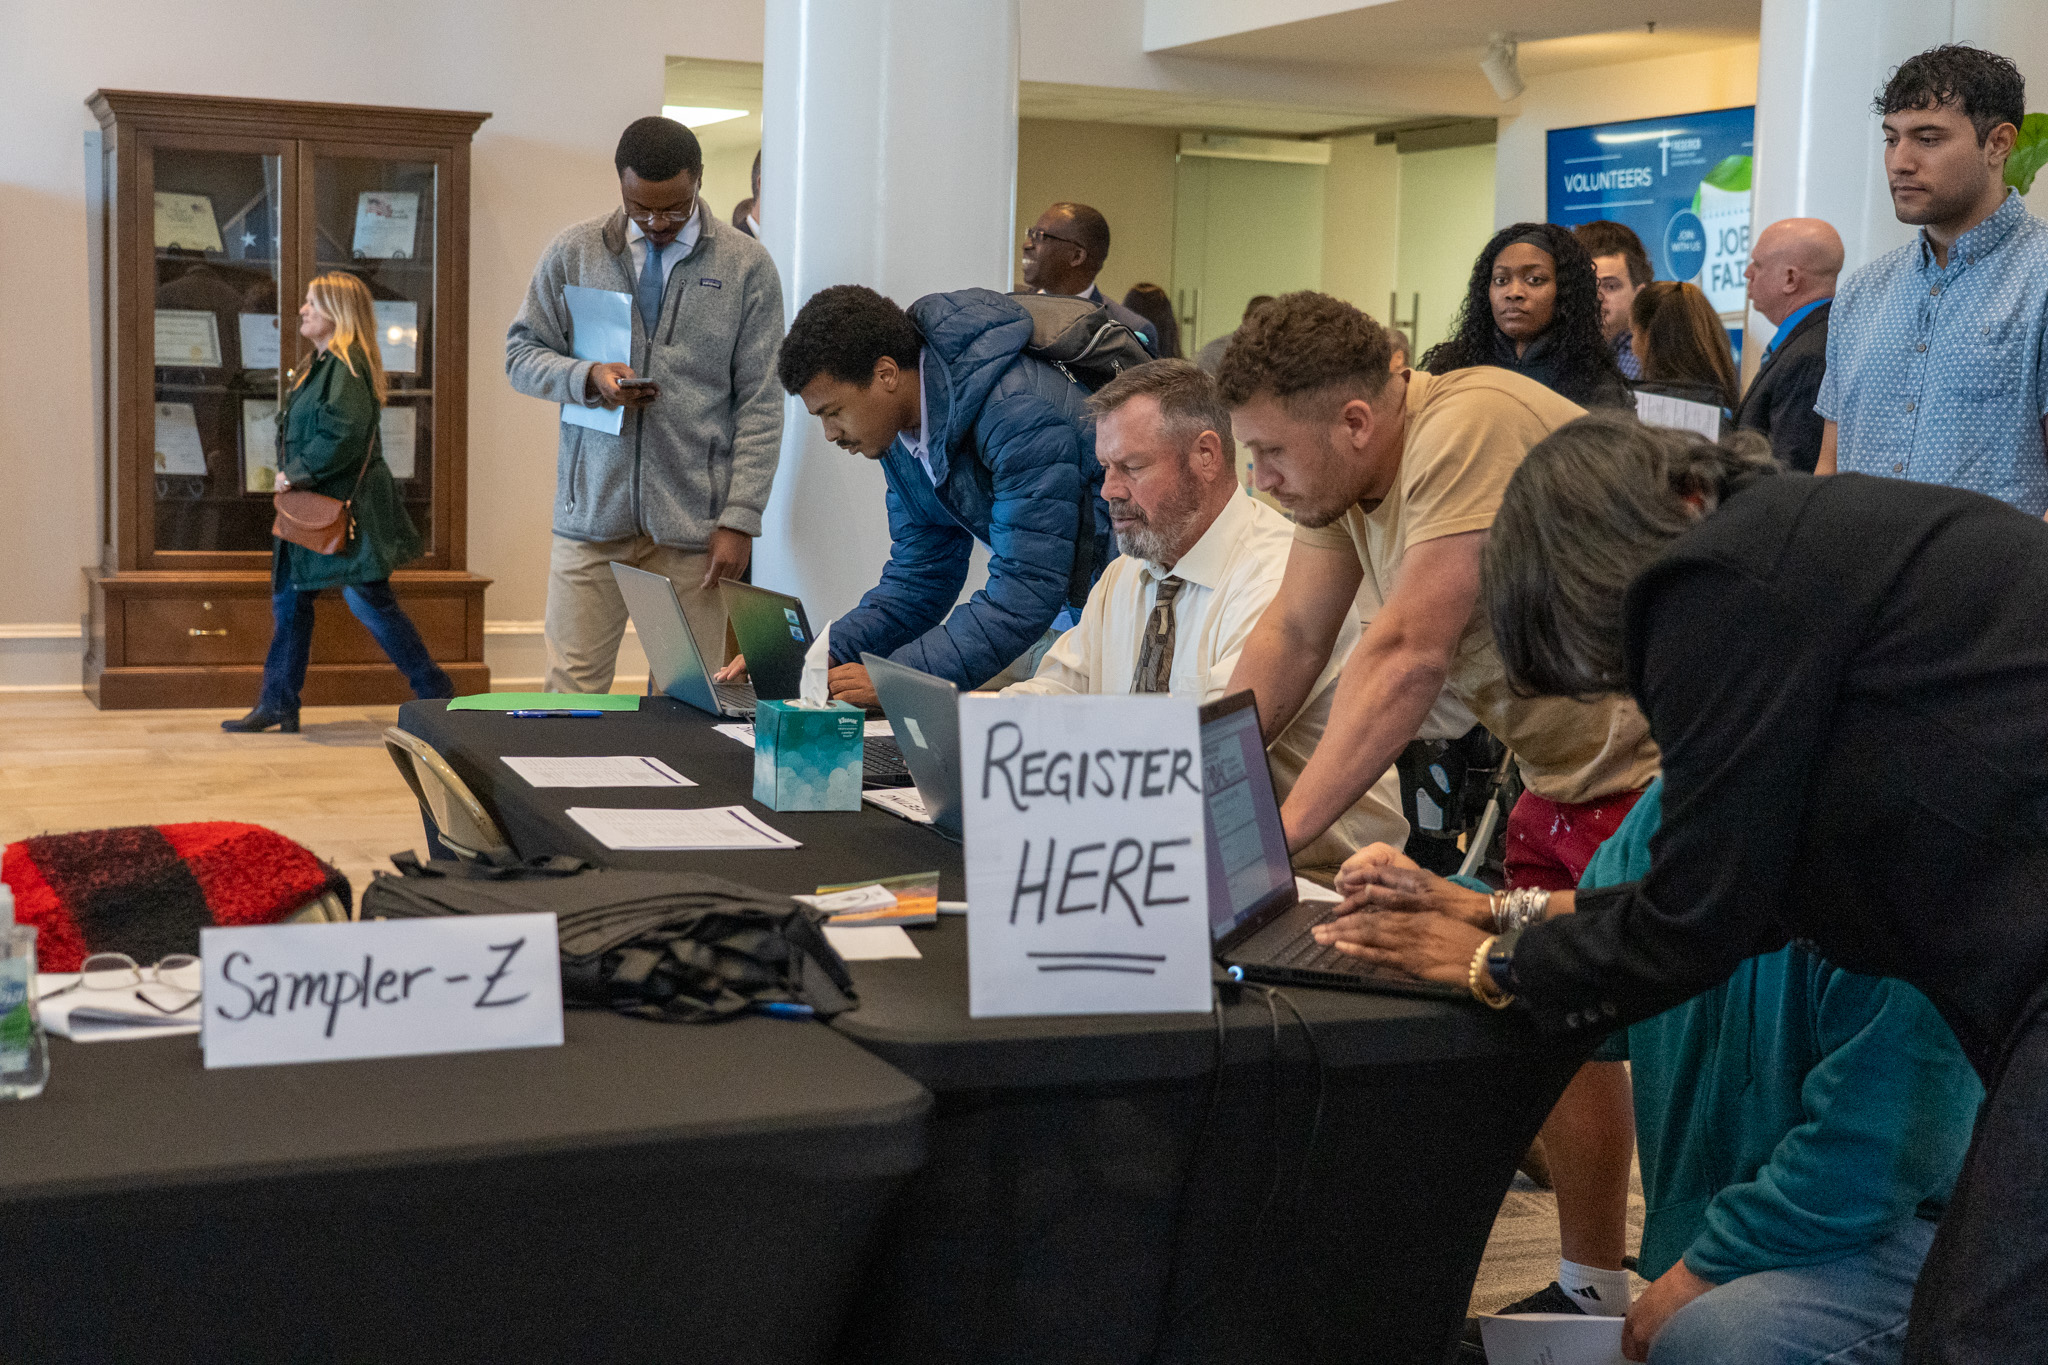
x: 783, y: 1009
x: 550, y: 715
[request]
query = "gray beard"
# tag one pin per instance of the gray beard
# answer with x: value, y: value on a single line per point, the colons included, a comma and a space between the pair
x: 1146, y: 542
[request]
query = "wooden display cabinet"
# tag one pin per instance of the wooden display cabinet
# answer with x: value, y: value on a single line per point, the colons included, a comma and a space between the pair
x: 207, y: 216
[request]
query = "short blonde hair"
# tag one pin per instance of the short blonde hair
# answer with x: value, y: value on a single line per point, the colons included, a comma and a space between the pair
x: 346, y: 299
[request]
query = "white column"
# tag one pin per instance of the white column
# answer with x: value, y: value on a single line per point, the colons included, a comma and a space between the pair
x: 889, y: 159
x: 1819, y: 148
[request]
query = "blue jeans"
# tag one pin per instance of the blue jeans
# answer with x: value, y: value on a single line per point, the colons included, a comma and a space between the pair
x: 1850, y: 1311
x: 376, y: 606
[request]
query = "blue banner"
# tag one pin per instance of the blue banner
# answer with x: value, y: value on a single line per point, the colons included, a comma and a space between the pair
x: 1681, y: 183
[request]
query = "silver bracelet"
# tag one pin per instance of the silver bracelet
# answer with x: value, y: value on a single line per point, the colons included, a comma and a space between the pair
x: 1520, y: 907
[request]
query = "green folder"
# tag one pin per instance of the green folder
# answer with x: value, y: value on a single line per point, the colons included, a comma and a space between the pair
x: 547, y: 701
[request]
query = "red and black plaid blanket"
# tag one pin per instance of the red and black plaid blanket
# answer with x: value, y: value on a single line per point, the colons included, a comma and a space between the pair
x: 148, y: 890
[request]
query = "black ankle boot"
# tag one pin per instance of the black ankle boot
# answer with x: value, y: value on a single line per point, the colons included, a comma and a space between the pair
x: 287, y: 723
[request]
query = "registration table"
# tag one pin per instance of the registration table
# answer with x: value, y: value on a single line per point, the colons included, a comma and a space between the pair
x: 1099, y: 1188
x: 644, y: 1192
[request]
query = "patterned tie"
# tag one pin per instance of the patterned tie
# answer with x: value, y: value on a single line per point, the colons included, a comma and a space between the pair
x: 1155, y: 656
x: 651, y: 281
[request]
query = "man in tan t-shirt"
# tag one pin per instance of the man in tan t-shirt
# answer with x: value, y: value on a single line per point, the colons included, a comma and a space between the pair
x: 1393, y: 480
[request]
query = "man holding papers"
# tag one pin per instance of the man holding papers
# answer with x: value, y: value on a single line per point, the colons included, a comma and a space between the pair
x: 656, y: 327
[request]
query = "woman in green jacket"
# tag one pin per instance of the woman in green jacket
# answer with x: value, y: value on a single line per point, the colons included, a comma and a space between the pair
x: 329, y: 445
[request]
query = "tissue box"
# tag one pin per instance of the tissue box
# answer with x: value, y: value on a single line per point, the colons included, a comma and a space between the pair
x: 808, y: 757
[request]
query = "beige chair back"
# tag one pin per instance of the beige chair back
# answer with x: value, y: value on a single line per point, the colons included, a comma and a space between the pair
x: 459, y: 820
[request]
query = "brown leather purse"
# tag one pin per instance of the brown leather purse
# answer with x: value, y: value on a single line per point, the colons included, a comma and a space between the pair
x: 324, y: 525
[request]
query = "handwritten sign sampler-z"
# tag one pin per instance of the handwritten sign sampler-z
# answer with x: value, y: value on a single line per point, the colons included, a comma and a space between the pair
x: 1086, y: 869
x: 380, y: 988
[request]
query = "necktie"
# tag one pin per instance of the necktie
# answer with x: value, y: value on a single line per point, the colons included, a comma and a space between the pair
x: 651, y: 281
x: 1155, y: 655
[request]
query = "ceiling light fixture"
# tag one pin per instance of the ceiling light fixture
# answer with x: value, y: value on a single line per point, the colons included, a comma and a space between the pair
x: 1500, y: 67
x: 701, y: 115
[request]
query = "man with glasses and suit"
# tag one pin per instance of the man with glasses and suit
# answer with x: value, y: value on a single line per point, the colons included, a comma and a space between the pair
x: 679, y: 490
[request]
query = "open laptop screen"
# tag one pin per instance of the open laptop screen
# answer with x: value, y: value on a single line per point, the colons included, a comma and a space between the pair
x: 1248, y: 865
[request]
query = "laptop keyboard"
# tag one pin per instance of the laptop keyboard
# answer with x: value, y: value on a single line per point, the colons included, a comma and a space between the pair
x: 1303, y: 952
x: 882, y: 764
x: 734, y: 698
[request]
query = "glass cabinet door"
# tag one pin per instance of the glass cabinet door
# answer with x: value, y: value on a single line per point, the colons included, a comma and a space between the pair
x: 377, y: 218
x: 218, y: 345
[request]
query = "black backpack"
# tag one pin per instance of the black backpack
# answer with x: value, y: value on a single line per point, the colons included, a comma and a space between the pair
x: 1080, y: 339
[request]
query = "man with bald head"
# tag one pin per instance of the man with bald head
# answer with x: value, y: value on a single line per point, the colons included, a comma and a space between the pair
x: 1792, y: 271
x: 1063, y: 253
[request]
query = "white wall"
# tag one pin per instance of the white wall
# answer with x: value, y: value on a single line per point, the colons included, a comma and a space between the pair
x: 1722, y: 78
x: 558, y: 101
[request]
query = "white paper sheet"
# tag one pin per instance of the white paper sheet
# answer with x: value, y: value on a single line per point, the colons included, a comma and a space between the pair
x: 1552, y: 1339
x: 714, y: 827
x: 260, y: 346
x: 1314, y: 893
x: 1662, y: 410
x: 600, y: 329
x: 871, y: 942
x: 387, y: 222
x: 59, y: 1010
x: 178, y: 449
x: 398, y: 335
x: 608, y: 770
x: 903, y: 801
x: 398, y: 433
x: 187, y: 337
x: 259, y: 445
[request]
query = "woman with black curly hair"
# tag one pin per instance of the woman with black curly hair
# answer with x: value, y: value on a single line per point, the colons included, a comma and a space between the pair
x: 1533, y: 307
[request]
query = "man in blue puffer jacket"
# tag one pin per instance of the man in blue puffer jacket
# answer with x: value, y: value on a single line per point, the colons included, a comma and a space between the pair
x: 978, y: 441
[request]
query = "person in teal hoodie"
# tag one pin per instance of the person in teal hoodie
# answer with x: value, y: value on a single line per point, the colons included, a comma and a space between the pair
x: 1799, y: 1129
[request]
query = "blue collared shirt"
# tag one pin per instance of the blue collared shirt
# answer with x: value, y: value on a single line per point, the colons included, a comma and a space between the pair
x: 1939, y: 374
x: 1625, y: 358
x: 1791, y: 322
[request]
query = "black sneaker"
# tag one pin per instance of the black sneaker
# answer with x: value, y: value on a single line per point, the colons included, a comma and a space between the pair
x: 1549, y: 1299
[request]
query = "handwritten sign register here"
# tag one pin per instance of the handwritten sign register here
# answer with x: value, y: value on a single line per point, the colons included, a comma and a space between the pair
x: 381, y: 988
x: 1086, y: 871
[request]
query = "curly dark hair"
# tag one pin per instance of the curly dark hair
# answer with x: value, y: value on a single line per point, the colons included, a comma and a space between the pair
x: 1580, y: 348
x: 1986, y: 87
x: 656, y: 148
x: 1304, y: 343
x: 842, y: 331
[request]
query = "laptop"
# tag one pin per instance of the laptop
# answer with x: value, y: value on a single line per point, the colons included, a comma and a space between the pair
x: 775, y: 634
x: 672, y: 654
x: 925, y: 713
x: 1258, y: 926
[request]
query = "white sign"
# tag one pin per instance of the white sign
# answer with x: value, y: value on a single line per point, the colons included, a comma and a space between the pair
x: 382, y: 988
x: 386, y: 222
x: 261, y: 349
x: 1662, y: 410
x: 1087, y: 878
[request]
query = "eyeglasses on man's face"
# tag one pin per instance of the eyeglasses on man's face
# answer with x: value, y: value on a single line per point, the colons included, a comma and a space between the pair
x: 649, y: 217
x: 1035, y: 236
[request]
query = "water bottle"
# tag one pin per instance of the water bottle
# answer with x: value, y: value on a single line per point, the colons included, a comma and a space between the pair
x: 24, y: 1054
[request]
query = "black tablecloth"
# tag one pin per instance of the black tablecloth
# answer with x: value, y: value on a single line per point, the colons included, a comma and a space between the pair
x: 1098, y: 1189
x: 645, y: 1192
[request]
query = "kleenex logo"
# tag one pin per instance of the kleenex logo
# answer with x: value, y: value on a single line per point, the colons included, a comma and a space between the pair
x: 709, y: 283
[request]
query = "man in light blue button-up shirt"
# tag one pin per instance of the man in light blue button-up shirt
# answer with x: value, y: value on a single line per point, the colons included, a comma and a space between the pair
x: 1936, y: 369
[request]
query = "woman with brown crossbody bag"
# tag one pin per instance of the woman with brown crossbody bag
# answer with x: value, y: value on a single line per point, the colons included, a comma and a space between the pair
x: 340, y: 520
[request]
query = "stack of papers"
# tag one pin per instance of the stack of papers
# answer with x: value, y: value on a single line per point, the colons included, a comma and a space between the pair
x: 903, y: 801
x: 612, y: 770
x: 715, y: 827
x: 912, y: 898
x: 109, y: 1016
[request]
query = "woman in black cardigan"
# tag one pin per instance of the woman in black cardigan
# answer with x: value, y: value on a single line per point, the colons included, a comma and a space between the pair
x: 1849, y: 681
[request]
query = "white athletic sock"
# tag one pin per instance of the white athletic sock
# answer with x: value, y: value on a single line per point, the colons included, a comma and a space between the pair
x: 1602, y: 1293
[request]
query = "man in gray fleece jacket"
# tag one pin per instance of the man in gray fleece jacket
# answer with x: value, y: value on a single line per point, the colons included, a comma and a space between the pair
x: 679, y: 490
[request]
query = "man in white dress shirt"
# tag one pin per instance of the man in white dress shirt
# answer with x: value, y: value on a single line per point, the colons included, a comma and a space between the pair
x: 1199, y: 562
